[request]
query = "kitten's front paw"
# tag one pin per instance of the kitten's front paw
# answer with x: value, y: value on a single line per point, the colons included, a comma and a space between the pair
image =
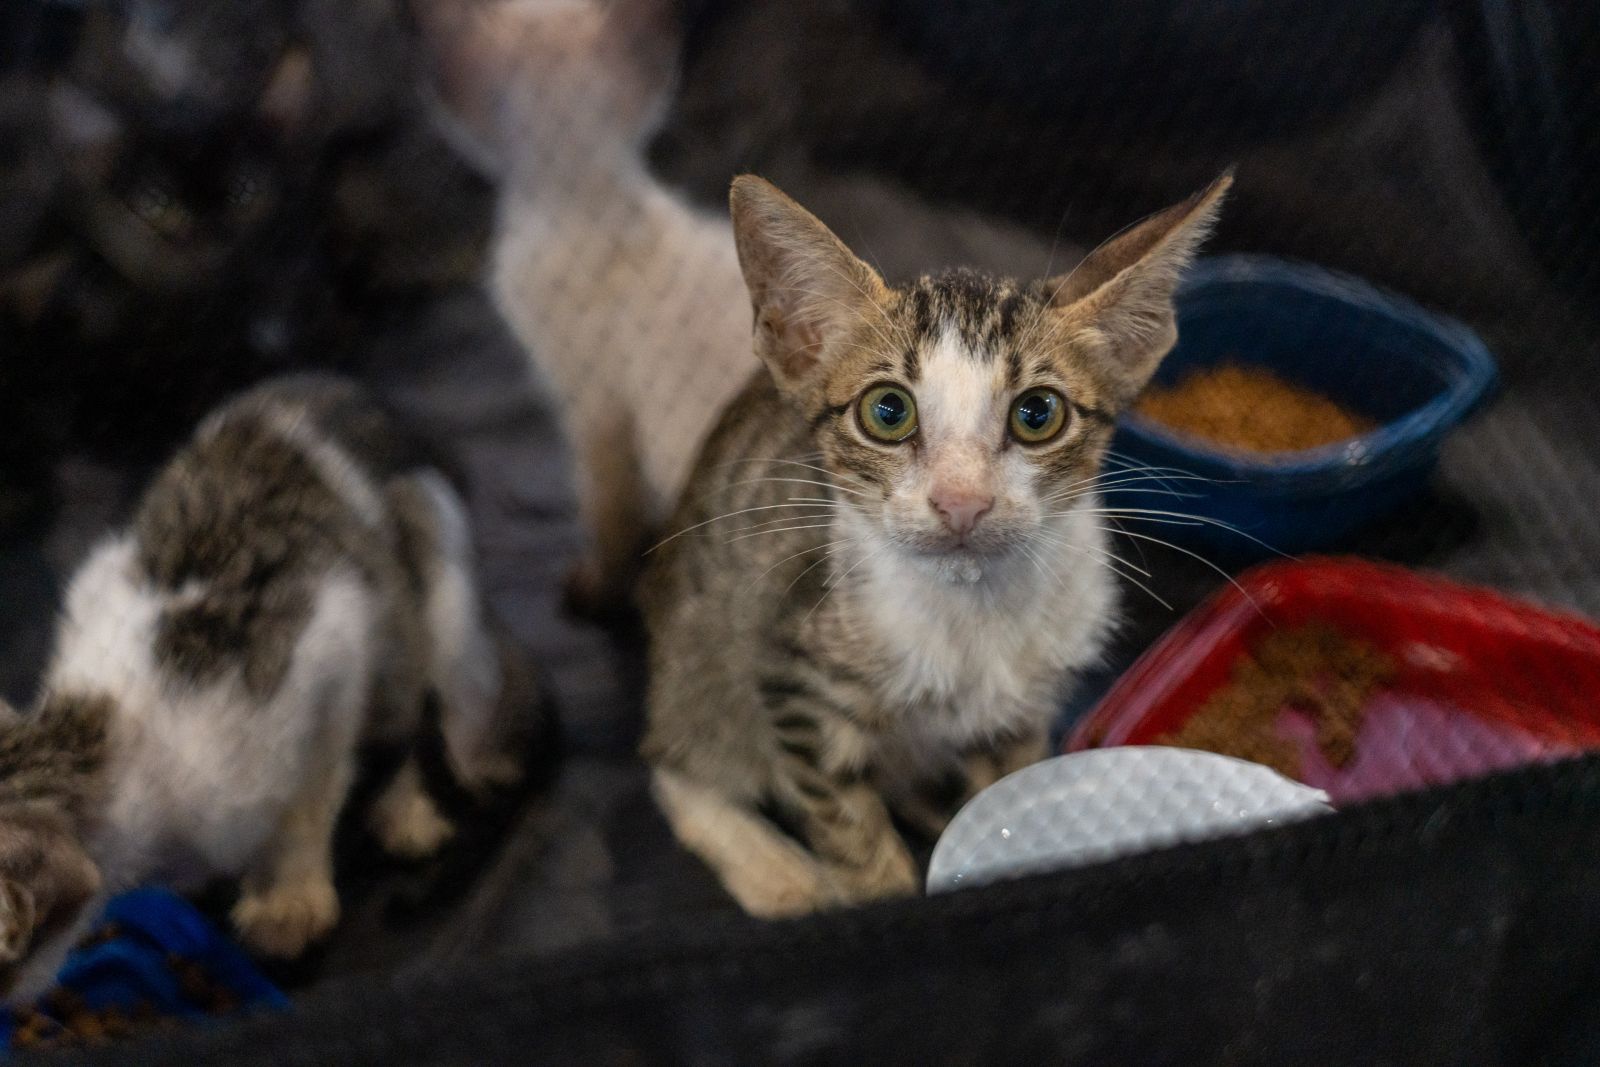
x: 776, y: 892
x: 282, y: 921
x: 890, y: 872
x: 410, y: 826
x: 893, y: 873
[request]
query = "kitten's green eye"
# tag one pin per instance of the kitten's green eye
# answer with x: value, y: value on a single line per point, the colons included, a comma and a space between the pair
x: 888, y: 413
x: 1038, y: 415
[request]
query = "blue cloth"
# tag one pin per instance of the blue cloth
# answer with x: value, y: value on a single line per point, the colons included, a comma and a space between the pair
x: 150, y: 956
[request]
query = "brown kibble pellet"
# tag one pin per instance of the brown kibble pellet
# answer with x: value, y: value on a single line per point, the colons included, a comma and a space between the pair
x: 1315, y: 669
x: 1252, y: 410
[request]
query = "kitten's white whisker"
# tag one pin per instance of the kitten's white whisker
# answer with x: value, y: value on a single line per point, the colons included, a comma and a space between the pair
x: 1103, y: 491
x: 1132, y: 463
x: 719, y: 518
x: 1129, y: 485
x: 786, y: 518
x: 1105, y: 558
x: 1193, y: 555
x: 825, y: 558
x: 796, y: 481
x: 796, y: 463
x: 1172, y: 518
x: 786, y: 529
x: 1060, y: 539
x: 834, y: 582
x: 1114, y: 513
x: 826, y: 549
x: 1106, y: 512
x: 1153, y: 473
x: 1038, y: 563
x: 1144, y: 557
x: 1049, y: 568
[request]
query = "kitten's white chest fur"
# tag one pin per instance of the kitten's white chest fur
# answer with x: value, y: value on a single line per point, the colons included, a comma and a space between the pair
x: 192, y: 792
x: 969, y: 662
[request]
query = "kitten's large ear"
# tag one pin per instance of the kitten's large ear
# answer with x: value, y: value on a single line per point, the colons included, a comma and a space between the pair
x: 1119, y: 299
x: 810, y: 293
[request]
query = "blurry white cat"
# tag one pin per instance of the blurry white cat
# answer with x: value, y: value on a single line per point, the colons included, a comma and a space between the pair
x: 627, y: 296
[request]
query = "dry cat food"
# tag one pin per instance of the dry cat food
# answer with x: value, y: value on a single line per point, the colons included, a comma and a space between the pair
x: 1315, y: 669
x: 1251, y: 409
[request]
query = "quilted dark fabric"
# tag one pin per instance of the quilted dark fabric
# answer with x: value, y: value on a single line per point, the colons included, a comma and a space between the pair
x: 566, y: 927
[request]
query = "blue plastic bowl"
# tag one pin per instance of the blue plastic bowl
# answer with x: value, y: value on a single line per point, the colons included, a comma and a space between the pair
x: 1416, y: 374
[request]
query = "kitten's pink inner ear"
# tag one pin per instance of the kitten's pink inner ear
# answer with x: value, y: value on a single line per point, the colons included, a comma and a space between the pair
x: 1119, y: 299
x: 808, y: 289
x: 1173, y: 232
x: 794, y: 345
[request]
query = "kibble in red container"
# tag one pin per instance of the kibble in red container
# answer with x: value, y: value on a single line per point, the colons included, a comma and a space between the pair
x: 1361, y: 679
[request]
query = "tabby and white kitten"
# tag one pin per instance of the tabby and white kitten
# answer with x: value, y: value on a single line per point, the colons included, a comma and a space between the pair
x: 293, y: 583
x: 889, y: 569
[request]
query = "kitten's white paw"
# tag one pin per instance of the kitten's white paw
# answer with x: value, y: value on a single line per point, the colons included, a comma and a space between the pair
x: 410, y: 826
x: 285, y: 919
x: 776, y: 894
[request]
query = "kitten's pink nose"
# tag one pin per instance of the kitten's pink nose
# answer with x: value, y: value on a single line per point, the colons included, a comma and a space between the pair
x: 960, y: 508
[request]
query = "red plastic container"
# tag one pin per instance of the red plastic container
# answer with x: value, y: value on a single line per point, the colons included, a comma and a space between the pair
x: 1484, y: 682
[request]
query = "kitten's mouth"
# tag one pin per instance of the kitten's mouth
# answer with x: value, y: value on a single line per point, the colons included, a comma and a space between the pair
x: 970, y: 546
x: 961, y: 560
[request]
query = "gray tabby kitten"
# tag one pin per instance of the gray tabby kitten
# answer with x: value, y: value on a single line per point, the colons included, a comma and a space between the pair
x: 293, y: 583
x: 887, y: 570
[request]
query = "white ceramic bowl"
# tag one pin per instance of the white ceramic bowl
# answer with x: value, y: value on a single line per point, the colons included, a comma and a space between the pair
x: 1092, y: 806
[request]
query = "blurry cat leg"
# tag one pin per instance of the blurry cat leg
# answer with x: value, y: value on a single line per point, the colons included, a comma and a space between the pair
x: 286, y: 898
x: 406, y: 819
x: 850, y: 830
x: 611, y: 504
x: 769, y: 875
x: 485, y: 701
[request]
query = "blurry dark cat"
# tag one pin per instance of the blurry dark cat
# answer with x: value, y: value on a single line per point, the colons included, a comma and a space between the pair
x: 199, y: 194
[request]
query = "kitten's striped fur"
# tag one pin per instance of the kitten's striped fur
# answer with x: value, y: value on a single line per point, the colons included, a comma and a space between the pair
x: 829, y: 643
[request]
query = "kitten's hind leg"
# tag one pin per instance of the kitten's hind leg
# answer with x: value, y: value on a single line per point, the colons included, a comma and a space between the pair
x: 611, y: 504
x: 287, y: 899
x: 489, y: 698
x: 768, y: 874
x: 405, y: 817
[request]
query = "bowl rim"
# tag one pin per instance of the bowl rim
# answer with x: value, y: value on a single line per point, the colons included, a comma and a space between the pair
x: 1179, y: 652
x: 1418, y: 431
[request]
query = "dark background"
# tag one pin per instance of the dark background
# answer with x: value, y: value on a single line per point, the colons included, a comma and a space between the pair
x: 160, y: 247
